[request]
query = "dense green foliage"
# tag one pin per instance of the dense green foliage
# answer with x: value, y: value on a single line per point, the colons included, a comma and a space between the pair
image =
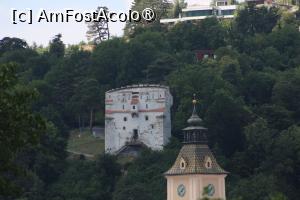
x: 249, y: 100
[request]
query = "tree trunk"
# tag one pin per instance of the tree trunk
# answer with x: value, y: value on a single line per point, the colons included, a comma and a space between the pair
x: 91, y: 120
x: 79, y: 124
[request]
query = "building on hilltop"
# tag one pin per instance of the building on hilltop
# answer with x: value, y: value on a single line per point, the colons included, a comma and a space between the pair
x: 195, y: 173
x: 204, y: 53
x: 137, y: 115
x: 221, y: 9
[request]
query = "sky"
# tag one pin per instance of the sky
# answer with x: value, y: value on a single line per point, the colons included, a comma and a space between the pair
x: 43, y: 32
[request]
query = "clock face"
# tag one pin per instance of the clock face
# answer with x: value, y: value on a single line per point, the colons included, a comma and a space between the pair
x: 181, y: 190
x: 210, y: 190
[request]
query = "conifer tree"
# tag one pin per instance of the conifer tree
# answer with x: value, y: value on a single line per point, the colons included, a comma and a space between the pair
x: 98, y: 29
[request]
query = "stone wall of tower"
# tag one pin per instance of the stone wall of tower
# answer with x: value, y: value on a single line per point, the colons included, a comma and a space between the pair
x: 139, y: 113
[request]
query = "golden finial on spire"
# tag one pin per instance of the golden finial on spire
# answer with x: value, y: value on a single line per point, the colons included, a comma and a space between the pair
x: 194, y: 100
x: 194, y: 119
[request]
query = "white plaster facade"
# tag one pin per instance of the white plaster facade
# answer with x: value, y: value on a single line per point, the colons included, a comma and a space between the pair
x: 138, y: 114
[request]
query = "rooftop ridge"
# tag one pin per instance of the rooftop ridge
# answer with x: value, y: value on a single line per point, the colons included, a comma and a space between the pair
x: 138, y: 86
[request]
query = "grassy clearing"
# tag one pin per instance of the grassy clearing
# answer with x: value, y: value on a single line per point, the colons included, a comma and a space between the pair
x: 85, y: 143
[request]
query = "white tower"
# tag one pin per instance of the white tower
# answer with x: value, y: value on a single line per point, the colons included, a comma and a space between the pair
x: 137, y: 114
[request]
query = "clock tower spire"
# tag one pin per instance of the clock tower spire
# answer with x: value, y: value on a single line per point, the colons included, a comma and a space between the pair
x: 195, y: 173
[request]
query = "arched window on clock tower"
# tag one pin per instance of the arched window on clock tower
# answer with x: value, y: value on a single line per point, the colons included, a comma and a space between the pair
x: 183, y: 163
x: 208, y: 162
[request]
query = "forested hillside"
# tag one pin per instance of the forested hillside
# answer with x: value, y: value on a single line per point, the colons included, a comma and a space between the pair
x: 249, y: 99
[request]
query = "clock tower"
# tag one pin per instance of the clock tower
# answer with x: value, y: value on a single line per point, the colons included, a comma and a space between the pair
x: 195, y: 174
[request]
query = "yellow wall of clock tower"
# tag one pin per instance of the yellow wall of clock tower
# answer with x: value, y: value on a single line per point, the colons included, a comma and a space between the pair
x: 191, y: 187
